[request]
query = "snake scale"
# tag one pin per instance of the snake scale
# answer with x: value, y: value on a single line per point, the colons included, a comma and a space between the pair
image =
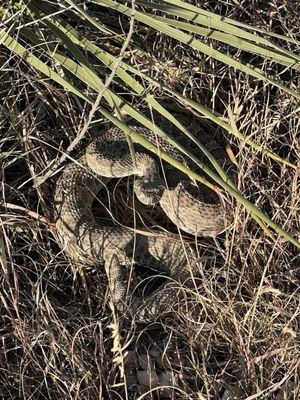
x: 195, y: 211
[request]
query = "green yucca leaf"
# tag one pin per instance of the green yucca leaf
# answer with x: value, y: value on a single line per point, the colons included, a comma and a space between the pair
x: 196, y: 44
x: 32, y: 60
x: 226, y: 24
x: 231, y: 40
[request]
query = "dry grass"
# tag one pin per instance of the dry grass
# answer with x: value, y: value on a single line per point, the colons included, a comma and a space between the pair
x: 238, y: 333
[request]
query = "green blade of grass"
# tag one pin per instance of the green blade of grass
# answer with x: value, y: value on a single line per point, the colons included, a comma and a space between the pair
x: 233, y: 41
x: 31, y: 59
x: 210, y: 19
x: 87, y: 17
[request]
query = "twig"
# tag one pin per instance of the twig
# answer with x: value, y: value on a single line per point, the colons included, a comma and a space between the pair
x: 109, y: 80
x: 31, y: 213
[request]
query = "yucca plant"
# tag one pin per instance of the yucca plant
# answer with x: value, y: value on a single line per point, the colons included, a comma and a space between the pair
x: 52, y: 37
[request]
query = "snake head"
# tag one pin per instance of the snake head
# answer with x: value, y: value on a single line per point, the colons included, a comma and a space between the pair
x: 149, y: 190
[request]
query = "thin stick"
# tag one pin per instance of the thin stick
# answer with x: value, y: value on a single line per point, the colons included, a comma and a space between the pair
x: 31, y: 213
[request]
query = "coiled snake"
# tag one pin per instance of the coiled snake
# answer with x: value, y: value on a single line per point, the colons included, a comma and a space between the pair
x: 195, y: 211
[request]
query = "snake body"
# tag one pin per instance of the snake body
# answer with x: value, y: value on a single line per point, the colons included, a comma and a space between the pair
x: 88, y: 242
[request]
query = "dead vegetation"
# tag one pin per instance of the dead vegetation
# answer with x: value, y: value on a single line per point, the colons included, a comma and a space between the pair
x: 237, y: 333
